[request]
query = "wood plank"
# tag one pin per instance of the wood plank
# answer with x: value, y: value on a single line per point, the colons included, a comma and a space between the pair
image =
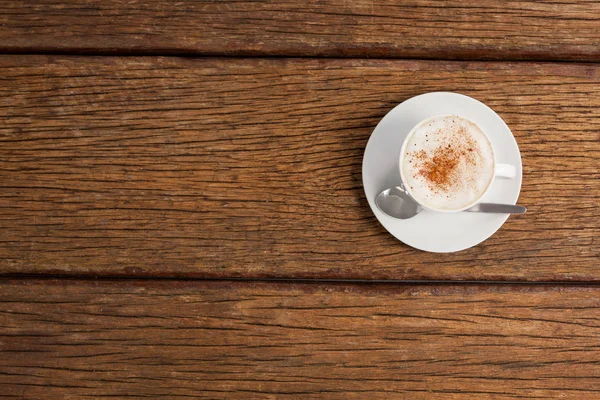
x: 548, y: 30
x: 252, y: 168
x: 77, y: 339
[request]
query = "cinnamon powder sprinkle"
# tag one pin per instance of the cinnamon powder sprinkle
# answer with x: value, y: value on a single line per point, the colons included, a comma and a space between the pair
x: 439, y: 169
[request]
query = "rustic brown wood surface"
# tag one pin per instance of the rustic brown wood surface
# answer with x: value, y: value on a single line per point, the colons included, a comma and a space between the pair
x: 75, y: 340
x: 252, y: 168
x: 335, y: 28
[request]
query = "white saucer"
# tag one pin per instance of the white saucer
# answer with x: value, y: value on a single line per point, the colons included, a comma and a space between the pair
x: 432, y: 231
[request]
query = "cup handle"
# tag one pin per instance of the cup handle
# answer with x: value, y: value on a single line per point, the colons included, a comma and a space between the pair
x: 505, y: 171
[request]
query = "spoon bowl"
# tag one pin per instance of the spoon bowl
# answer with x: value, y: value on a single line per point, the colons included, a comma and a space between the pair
x: 396, y: 203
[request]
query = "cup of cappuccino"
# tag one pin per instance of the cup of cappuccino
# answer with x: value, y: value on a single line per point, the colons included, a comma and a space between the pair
x: 447, y: 163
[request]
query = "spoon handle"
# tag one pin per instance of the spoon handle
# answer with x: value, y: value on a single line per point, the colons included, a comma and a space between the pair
x: 497, y: 208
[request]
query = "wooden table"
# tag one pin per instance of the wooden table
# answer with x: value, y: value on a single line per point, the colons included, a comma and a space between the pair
x: 182, y: 213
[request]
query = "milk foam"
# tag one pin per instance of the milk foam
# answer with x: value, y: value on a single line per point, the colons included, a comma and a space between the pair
x: 448, y: 163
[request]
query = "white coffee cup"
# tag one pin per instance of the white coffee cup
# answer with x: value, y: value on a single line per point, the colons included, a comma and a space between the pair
x: 499, y: 170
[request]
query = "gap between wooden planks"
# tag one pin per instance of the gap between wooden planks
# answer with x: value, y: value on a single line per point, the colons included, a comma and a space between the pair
x: 137, y: 339
x: 251, y: 168
x: 547, y: 30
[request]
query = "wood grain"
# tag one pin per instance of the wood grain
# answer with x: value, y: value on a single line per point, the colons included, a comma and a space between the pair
x: 75, y: 340
x: 252, y: 168
x: 548, y: 30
